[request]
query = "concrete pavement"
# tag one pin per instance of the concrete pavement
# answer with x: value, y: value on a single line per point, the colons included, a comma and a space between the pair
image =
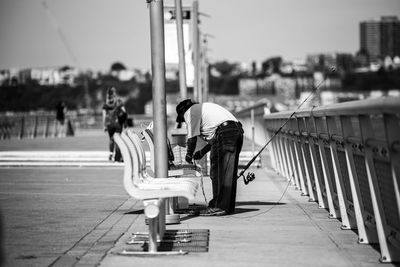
x: 273, y: 226
x: 80, y: 216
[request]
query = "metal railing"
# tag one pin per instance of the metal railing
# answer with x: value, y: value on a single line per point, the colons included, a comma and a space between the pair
x: 346, y: 157
x: 31, y: 125
x: 43, y: 124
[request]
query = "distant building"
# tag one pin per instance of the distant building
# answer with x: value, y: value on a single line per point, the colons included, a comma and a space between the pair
x: 49, y: 76
x: 289, y: 86
x: 123, y: 74
x: 9, y: 77
x: 321, y: 62
x: 380, y: 38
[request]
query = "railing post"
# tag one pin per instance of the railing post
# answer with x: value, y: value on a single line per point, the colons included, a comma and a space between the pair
x: 366, y: 232
x: 22, y: 130
x: 329, y: 183
x: 285, y: 166
x: 296, y: 158
x: 282, y: 168
x: 389, y: 252
x: 35, y: 126
x: 347, y: 222
x: 319, y: 177
x: 392, y: 130
x: 288, y: 152
x: 304, y: 183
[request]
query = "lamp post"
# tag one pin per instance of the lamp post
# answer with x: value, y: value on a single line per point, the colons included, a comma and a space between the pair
x: 181, y: 49
x: 196, y: 51
x: 158, y: 87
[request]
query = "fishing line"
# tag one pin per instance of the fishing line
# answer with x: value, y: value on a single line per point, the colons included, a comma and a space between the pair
x: 202, y: 185
x: 266, y: 211
x: 251, y: 176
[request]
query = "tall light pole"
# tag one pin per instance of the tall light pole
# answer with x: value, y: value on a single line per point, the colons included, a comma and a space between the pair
x: 196, y: 51
x: 204, y: 63
x: 159, y: 106
x: 158, y: 86
x: 205, y: 70
x: 181, y: 49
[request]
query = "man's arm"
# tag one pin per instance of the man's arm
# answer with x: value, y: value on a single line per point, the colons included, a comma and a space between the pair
x: 191, y: 146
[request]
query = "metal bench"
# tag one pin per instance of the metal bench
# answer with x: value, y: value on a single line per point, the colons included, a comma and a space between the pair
x: 153, y: 191
x: 176, y: 173
x: 191, y: 170
x: 186, y: 169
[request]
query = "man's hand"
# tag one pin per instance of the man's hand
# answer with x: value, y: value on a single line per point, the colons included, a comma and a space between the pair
x: 189, y: 159
x: 198, y: 155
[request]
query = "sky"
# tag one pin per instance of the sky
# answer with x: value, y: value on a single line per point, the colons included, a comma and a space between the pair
x: 93, y: 34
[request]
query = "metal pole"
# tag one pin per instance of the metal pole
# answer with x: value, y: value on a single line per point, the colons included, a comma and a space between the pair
x: 196, y: 51
x: 205, y: 70
x: 200, y: 68
x: 206, y: 82
x: 181, y: 49
x: 158, y: 84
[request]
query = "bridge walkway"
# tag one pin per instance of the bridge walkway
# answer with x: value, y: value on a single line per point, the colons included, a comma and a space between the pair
x: 46, y: 221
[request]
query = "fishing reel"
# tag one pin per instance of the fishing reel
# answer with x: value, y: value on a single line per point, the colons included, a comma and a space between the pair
x: 248, y: 178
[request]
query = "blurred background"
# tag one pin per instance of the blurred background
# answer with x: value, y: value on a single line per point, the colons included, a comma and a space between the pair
x: 254, y: 51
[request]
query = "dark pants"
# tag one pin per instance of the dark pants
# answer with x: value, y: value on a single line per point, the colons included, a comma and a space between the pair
x: 112, y: 129
x: 224, y: 158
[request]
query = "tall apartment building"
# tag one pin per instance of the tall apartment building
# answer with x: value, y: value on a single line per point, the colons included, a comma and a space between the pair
x: 380, y: 38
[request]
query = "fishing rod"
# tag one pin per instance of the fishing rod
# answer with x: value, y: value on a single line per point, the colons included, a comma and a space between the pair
x: 251, y: 176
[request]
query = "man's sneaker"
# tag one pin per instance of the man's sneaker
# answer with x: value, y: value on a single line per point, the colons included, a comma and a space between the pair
x: 213, y: 212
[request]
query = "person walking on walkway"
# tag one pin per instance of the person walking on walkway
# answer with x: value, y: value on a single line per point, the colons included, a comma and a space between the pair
x: 61, y: 110
x: 114, y: 117
x: 224, y: 136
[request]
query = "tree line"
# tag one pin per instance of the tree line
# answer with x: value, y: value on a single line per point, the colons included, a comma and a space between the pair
x: 224, y: 76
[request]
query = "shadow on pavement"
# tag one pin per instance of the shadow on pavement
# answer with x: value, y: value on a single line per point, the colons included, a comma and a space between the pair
x: 258, y: 203
x: 141, y: 211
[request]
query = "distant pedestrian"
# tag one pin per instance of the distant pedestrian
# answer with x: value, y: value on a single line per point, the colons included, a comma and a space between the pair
x: 224, y: 136
x: 114, y: 119
x: 61, y: 111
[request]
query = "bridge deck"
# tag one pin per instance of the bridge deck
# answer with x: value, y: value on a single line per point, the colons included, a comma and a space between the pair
x: 46, y: 220
x: 262, y: 232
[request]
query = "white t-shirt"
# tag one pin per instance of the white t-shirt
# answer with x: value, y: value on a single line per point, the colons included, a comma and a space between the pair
x: 203, y: 119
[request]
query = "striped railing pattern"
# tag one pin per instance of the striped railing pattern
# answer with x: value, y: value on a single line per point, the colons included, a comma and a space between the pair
x: 346, y: 157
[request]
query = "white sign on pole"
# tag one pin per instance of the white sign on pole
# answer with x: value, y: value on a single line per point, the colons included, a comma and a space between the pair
x: 171, y: 48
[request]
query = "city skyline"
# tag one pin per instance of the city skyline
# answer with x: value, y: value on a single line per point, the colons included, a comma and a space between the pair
x: 94, y: 34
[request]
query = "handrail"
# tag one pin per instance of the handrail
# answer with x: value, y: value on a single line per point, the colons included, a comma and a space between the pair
x: 345, y: 156
x: 258, y: 107
x: 382, y: 105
